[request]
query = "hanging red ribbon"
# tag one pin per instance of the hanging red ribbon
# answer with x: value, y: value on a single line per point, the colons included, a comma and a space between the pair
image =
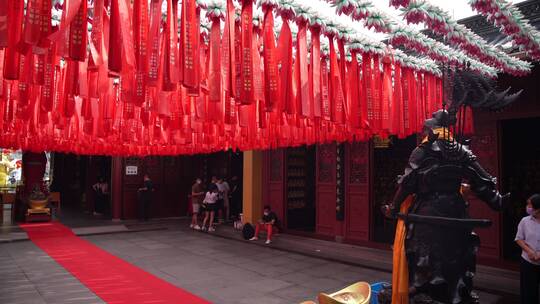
x: 78, y: 34
x: 96, y: 36
x: 397, y: 106
x: 128, y: 51
x: 190, y: 43
x: 413, y: 101
x: 439, y: 93
x: 325, y: 90
x: 12, y: 56
x: 47, y: 91
x: 303, y: 79
x: 336, y: 88
x: 376, y: 88
x: 38, y: 20
x: 140, y: 26
x: 342, y: 65
x: 258, y: 81
x: 367, y: 80
x: 115, y: 38
x: 214, y: 77
x: 387, y: 97
x: 271, y: 81
x: 25, y: 82
x: 406, y: 100
x: 230, y: 41
x: 286, y: 74
x: 153, y: 42
x: 246, y: 19
x: 355, y: 118
x: 71, y: 87
x: 4, y: 12
x: 170, y: 50
x: 315, y: 72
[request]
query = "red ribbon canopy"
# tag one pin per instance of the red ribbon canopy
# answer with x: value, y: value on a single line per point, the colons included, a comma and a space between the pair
x: 139, y: 85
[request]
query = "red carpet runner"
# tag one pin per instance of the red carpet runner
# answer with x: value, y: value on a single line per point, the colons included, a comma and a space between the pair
x: 111, y: 278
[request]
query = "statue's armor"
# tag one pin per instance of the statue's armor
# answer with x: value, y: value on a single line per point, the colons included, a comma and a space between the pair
x: 441, y: 260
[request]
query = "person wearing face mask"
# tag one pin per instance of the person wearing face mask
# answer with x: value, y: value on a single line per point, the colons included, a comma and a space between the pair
x: 267, y: 222
x: 528, y: 238
x: 197, y: 196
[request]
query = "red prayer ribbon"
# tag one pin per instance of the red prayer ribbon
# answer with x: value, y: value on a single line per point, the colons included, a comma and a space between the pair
x: 247, y: 85
x: 214, y: 76
x: 271, y: 72
x: 303, y: 79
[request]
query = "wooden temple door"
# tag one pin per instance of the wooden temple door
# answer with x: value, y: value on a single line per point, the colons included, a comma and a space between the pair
x: 273, y: 182
x: 326, y: 189
x: 357, y: 202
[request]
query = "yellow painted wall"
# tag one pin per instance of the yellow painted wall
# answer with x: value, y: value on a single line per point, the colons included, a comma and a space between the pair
x: 252, y: 189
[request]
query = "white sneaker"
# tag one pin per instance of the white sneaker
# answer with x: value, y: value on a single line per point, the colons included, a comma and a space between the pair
x: 203, y: 228
x: 254, y: 238
x: 197, y: 227
x: 211, y: 229
x: 191, y: 226
x: 268, y: 242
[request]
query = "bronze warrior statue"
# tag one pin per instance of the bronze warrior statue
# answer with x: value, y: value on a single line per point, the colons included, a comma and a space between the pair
x: 440, y: 247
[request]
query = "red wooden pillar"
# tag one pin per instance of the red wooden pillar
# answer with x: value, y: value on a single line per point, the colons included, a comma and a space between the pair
x: 116, y: 187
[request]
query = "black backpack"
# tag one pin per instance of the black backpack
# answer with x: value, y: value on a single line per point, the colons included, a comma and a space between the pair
x: 248, y: 231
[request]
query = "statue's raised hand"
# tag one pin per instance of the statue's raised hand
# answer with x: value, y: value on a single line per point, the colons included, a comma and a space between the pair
x: 389, y: 211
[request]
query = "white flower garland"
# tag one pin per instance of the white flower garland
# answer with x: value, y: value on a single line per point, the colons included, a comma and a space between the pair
x: 512, y: 23
x: 406, y: 36
x: 458, y: 35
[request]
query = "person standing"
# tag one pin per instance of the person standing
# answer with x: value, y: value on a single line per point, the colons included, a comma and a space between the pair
x: 210, y: 207
x: 197, y: 196
x: 101, y: 190
x: 224, y: 209
x: 145, y: 195
x: 528, y: 238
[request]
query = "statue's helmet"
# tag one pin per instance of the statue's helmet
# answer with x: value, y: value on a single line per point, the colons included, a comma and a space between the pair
x: 440, y: 119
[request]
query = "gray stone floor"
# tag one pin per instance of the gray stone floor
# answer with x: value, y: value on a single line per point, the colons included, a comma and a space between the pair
x: 220, y: 270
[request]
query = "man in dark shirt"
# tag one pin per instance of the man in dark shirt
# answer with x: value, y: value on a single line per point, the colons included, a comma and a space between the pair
x: 267, y: 222
x: 144, y: 197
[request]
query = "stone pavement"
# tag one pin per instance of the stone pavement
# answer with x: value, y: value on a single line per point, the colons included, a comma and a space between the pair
x: 29, y: 276
x: 218, y: 269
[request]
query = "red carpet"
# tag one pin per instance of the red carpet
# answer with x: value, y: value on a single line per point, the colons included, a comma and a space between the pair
x: 111, y: 278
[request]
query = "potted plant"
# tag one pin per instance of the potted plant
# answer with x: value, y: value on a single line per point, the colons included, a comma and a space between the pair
x: 37, y: 199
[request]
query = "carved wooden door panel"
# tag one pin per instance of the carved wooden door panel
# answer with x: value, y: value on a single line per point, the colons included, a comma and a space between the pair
x: 357, y: 210
x: 326, y: 189
x: 274, y: 182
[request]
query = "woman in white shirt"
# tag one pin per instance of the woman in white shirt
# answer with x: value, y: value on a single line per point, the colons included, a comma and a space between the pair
x: 210, y: 206
x: 528, y: 238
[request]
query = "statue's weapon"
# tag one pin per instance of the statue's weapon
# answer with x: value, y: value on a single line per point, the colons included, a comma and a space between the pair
x: 463, y: 223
